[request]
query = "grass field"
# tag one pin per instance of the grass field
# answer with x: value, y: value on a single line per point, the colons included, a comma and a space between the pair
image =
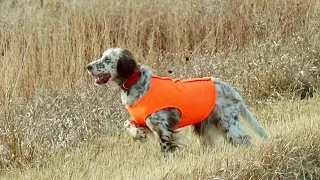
x: 291, y: 153
x: 55, y: 124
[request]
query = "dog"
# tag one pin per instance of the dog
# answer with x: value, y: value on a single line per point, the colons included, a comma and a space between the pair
x: 141, y: 91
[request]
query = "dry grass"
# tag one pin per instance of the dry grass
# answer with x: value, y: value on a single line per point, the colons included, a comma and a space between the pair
x: 292, y: 153
x: 263, y: 43
x: 55, y: 124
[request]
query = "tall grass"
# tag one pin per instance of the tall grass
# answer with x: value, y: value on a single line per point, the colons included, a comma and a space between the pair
x: 268, y: 50
x: 49, y: 47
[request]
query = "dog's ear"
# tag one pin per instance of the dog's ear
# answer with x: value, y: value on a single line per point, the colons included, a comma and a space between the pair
x: 126, y: 65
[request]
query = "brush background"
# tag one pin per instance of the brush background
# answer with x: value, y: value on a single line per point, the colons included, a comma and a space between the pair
x: 54, y: 123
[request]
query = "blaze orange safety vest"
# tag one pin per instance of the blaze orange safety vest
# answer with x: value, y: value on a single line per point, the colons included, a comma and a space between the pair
x: 195, y: 98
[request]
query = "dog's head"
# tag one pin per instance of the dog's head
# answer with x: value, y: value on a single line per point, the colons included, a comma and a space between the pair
x: 116, y: 64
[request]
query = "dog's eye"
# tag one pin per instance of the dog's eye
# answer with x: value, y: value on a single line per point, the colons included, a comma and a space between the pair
x: 107, y: 59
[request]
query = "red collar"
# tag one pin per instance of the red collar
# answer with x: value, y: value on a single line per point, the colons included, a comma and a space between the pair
x: 133, y: 79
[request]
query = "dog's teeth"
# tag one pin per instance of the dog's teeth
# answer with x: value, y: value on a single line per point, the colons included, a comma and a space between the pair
x: 98, y: 78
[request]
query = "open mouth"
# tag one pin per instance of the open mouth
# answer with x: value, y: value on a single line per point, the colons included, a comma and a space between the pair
x: 102, y: 79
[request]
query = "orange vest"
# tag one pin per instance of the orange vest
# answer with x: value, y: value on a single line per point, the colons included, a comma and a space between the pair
x: 195, y: 98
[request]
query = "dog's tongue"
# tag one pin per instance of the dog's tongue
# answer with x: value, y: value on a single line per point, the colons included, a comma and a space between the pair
x: 102, y: 79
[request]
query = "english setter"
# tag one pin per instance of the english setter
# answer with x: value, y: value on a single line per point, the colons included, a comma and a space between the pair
x: 119, y: 65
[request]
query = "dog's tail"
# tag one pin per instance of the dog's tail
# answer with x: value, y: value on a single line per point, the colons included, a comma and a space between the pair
x: 257, y: 126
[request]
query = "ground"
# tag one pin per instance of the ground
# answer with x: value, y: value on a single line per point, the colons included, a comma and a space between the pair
x: 291, y: 153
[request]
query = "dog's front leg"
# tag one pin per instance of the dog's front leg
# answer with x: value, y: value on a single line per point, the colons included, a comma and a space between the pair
x: 138, y: 133
x: 162, y: 124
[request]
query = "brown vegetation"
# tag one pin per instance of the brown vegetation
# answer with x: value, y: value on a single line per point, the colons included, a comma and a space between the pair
x: 50, y: 111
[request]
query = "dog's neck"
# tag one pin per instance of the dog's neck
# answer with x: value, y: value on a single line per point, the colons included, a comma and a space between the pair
x: 131, y: 81
x: 137, y: 90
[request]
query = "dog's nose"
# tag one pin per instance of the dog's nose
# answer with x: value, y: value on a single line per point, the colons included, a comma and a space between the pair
x: 89, y: 67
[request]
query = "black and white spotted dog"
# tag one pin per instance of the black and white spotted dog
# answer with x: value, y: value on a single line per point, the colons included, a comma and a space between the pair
x: 119, y: 65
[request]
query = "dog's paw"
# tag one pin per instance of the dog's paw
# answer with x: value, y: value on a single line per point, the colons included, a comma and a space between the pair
x: 138, y: 133
x: 128, y: 124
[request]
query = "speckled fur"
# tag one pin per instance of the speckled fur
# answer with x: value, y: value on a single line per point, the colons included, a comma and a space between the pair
x: 222, y: 121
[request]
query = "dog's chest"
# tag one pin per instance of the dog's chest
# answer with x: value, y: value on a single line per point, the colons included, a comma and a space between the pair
x: 129, y: 99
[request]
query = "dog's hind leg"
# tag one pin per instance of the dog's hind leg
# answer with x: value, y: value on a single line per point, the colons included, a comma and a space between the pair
x: 208, y: 132
x: 227, y: 111
x: 230, y: 123
x: 227, y: 95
